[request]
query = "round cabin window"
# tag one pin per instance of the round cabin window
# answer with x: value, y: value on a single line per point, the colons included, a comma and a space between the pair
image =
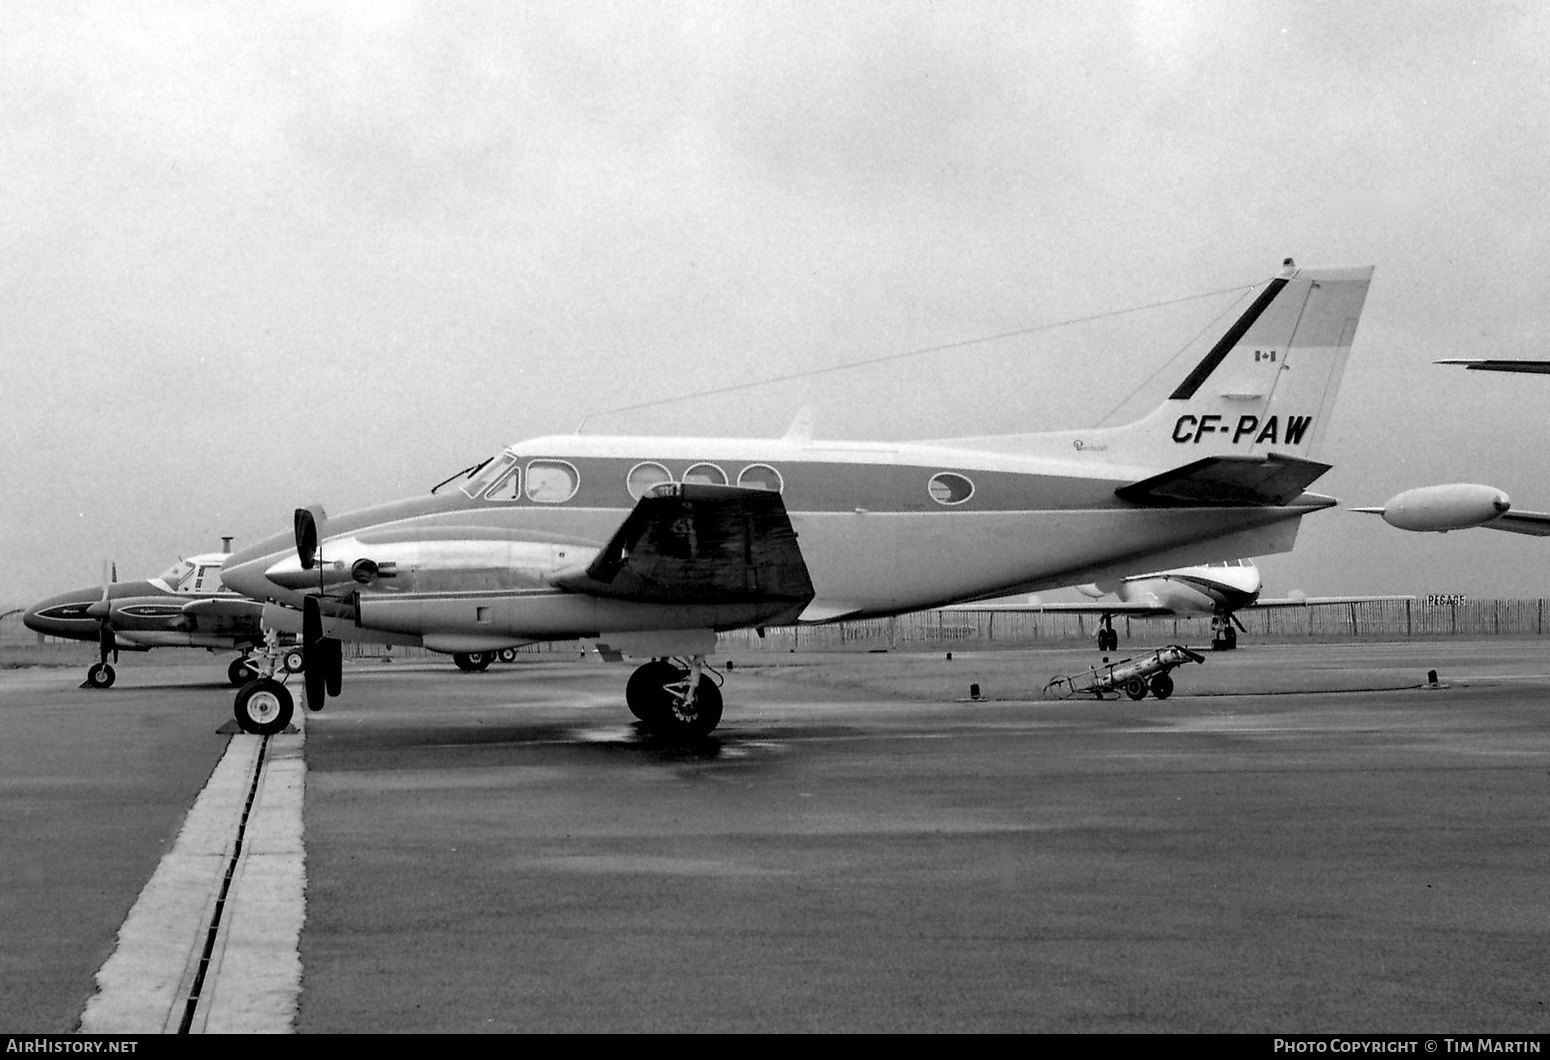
x: 709, y: 474
x: 645, y: 475
x: 949, y: 488
x: 761, y: 477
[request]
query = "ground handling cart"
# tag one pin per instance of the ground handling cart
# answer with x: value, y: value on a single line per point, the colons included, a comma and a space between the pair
x: 1134, y: 677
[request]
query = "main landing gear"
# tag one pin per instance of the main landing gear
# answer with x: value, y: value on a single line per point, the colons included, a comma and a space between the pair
x: 249, y: 667
x: 473, y: 662
x: 675, y: 699
x: 1108, y: 639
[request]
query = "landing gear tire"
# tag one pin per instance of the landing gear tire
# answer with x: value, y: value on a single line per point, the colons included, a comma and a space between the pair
x: 507, y: 655
x: 294, y: 661
x: 472, y: 662
x: 651, y: 698
x: 1108, y: 640
x: 1162, y: 686
x: 646, y: 693
x: 100, y: 676
x: 240, y: 672
x: 263, y: 707
x: 1135, y: 688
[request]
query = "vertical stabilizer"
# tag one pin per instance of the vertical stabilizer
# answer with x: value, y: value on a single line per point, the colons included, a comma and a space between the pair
x: 1265, y: 387
x: 1268, y: 383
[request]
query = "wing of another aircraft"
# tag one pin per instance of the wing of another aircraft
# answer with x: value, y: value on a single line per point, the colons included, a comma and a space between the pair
x: 1458, y: 506
x: 1140, y: 610
x: 699, y: 543
x: 1498, y: 364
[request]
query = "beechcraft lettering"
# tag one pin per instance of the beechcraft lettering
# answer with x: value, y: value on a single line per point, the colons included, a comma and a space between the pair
x: 1193, y: 428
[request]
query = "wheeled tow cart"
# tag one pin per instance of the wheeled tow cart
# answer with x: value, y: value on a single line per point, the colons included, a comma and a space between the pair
x: 1134, y: 677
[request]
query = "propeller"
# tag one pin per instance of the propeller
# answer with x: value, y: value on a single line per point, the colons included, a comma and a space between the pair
x: 102, y: 611
x: 325, y: 655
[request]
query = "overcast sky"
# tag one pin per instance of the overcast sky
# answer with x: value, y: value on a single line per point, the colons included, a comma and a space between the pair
x: 263, y: 255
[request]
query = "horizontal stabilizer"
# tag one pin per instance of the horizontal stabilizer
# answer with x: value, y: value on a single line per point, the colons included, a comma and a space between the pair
x: 699, y: 543
x: 1500, y: 364
x: 1269, y: 481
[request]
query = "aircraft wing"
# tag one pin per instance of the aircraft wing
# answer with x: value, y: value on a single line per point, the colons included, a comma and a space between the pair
x: 1115, y: 607
x: 1499, y: 364
x: 1314, y: 601
x: 1535, y: 523
x: 1141, y: 610
x: 694, y: 543
x: 1268, y: 481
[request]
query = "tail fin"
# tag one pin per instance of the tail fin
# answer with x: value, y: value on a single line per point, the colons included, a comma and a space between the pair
x: 1267, y: 386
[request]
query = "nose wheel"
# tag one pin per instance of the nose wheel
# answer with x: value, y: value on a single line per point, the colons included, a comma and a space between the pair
x: 101, y: 675
x: 263, y: 707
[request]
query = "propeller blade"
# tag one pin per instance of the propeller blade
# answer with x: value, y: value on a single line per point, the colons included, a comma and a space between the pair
x: 308, y: 535
x: 314, y: 680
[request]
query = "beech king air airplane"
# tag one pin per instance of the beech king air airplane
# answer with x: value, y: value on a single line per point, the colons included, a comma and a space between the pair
x: 1463, y: 505
x: 649, y: 546
x: 184, y: 606
x: 1218, y: 590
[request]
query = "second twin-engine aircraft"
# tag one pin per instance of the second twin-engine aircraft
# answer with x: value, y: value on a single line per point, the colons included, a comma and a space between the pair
x: 649, y: 546
x: 1217, y: 591
x: 184, y: 606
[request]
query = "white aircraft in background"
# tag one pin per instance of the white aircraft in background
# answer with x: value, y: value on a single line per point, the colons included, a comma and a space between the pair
x: 1465, y: 505
x: 649, y: 546
x: 1218, y: 590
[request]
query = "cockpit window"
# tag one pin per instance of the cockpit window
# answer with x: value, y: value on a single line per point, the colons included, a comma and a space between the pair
x: 176, y: 574
x: 491, y: 473
x: 508, y: 488
x: 209, y: 580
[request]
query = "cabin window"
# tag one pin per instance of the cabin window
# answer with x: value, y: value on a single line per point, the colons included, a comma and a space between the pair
x: 948, y: 488
x: 551, y: 481
x: 645, y: 475
x: 508, y: 488
x: 761, y: 477
x: 709, y: 474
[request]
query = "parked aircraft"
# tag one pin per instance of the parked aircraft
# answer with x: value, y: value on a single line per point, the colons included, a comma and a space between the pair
x: 184, y: 606
x: 649, y: 546
x: 1463, y: 505
x: 1219, y: 590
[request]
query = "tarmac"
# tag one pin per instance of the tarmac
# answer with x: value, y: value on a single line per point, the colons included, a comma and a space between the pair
x: 1304, y: 838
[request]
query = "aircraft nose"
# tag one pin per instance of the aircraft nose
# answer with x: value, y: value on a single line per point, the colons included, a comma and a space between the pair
x: 246, y: 571
x: 63, y: 615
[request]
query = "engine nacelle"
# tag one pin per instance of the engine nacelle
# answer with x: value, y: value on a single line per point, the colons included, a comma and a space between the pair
x: 1456, y: 506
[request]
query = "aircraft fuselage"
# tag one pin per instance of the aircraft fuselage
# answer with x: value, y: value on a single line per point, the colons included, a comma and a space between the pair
x: 882, y: 529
